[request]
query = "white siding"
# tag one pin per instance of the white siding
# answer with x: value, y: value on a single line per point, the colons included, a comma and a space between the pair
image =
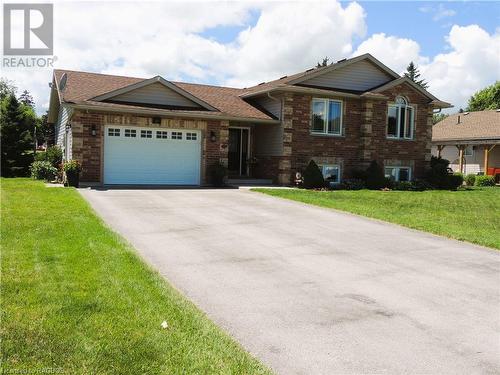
x: 60, y: 131
x: 359, y: 76
x: 268, y: 140
x: 272, y: 106
x: 473, y: 163
x: 155, y: 93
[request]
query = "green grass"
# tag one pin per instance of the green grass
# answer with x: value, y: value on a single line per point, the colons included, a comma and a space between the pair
x: 77, y: 299
x: 468, y: 215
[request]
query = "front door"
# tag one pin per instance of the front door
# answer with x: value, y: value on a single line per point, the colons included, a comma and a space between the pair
x: 238, y: 151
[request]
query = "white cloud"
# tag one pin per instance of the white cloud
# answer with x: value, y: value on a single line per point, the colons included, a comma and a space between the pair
x: 470, y: 63
x: 440, y: 12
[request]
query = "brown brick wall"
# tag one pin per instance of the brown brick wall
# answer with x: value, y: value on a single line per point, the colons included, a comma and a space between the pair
x: 364, y: 137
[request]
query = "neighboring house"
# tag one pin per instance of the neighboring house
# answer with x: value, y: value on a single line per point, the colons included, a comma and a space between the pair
x: 152, y: 131
x: 469, y: 141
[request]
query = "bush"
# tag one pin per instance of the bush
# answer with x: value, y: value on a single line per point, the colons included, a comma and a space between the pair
x: 484, y: 181
x: 470, y: 179
x: 43, y: 170
x: 72, y: 168
x: 375, y: 178
x: 455, y: 181
x: 354, y: 184
x: 313, y: 178
x: 218, y: 173
x: 403, y: 186
x: 53, y: 155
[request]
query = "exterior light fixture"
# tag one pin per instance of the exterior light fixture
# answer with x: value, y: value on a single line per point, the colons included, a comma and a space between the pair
x: 93, y: 131
x: 213, y: 138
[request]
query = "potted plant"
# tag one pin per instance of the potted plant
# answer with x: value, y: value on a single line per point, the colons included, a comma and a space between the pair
x: 219, y: 173
x: 72, y: 169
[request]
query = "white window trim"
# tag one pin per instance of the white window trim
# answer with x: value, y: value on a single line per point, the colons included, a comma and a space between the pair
x: 398, y: 168
x: 322, y: 166
x: 327, y: 109
x: 398, y: 107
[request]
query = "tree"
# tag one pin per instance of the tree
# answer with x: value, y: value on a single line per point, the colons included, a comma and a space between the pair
x: 413, y: 74
x: 323, y: 63
x: 27, y: 99
x: 487, y: 98
x: 436, y: 117
x: 313, y: 178
x: 6, y: 88
x: 17, y: 122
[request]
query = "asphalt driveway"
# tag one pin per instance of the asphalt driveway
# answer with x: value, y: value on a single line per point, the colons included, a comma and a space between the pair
x: 314, y: 291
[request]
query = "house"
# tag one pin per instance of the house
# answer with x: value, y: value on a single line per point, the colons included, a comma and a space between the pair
x: 128, y: 130
x: 469, y: 141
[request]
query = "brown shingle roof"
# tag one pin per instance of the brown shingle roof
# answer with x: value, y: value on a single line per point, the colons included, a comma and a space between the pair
x: 472, y: 126
x: 81, y: 87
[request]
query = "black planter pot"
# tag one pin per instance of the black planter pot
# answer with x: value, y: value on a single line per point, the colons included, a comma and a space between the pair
x: 73, y: 179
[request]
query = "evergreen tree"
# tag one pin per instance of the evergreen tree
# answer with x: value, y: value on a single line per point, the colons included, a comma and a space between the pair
x: 487, y: 98
x: 323, y: 63
x: 413, y: 74
x: 6, y: 88
x: 17, y: 122
x: 27, y: 99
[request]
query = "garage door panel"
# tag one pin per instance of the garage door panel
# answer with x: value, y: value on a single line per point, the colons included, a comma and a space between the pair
x: 129, y: 160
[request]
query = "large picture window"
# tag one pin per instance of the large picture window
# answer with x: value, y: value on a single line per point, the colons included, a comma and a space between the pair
x: 326, y: 117
x: 400, y: 119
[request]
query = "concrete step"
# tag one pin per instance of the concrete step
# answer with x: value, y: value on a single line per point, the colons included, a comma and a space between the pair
x: 250, y: 182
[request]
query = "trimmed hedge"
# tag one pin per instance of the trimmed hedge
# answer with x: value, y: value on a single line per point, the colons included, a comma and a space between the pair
x: 484, y: 181
x: 470, y: 179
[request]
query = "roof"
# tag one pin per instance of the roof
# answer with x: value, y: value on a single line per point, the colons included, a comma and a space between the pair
x: 474, y: 126
x: 83, y: 88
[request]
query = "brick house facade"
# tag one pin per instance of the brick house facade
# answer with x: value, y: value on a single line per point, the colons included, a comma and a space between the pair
x: 275, y: 119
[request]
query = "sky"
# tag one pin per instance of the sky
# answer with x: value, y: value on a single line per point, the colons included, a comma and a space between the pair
x: 456, y: 45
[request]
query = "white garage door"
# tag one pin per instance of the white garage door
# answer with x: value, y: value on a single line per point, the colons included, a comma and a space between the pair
x: 134, y: 155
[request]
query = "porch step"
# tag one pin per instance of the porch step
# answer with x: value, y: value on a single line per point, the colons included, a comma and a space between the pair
x: 250, y: 182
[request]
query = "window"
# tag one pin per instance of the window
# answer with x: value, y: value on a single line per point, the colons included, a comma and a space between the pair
x: 112, y: 132
x: 331, y: 173
x: 176, y: 135
x: 469, y: 151
x: 146, y: 134
x: 130, y: 133
x: 326, y: 117
x: 191, y: 136
x: 400, y: 119
x: 161, y: 135
x: 398, y: 173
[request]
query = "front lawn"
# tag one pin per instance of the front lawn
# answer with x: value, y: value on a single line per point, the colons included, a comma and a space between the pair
x: 76, y: 299
x: 468, y: 215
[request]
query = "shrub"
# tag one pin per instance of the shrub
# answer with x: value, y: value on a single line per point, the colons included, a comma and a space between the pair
x: 52, y: 155
x: 438, y: 173
x: 375, y: 178
x: 484, y: 181
x: 455, y: 181
x: 72, y: 168
x: 403, y: 185
x: 354, y: 184
x: 313, y: 178
x: 218, y: 172
x: 470, y: 179
x: 358, y: 174
x: 43, y: 170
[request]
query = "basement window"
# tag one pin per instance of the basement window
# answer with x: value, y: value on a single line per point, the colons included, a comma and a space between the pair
x: 331, y: 173
x: 130, y: 133
x: 398, y: 173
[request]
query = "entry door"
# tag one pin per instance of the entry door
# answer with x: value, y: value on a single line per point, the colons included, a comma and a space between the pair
x: 238, y: 151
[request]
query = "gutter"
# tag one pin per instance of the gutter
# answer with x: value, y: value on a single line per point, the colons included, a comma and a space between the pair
x: 309, y: 90
x: 160, y: 113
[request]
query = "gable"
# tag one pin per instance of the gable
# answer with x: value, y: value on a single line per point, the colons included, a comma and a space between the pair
x: 358, y: 76
x: 155, y: 94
